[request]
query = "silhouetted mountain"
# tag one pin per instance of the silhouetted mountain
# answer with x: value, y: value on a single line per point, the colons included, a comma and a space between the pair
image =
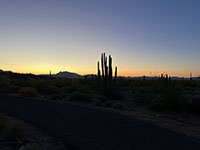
x: 67, y: 74
x: 8, y: 71
x: 90, y: 76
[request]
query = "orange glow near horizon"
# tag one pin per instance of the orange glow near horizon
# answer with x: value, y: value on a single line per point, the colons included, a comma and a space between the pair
x: 82, y: 65
x: 46, y: 70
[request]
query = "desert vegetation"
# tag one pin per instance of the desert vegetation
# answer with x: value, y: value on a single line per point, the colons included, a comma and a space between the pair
x: 16, y: 134
x: 175, y: 100
x: 165, y: 94
x: 11, y: 130
x: 107, y: 90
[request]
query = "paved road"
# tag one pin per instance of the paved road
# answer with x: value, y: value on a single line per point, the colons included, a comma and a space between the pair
x: 90, y: 129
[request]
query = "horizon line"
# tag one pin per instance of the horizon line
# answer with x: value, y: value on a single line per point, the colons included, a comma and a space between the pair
x: 127, y: 76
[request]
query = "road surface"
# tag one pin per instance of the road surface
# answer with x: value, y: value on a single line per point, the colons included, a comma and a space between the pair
x: 90, y: 129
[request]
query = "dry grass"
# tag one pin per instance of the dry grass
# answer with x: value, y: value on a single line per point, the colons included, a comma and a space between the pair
x: 11, y: 129
x: 28, y: 92
x: 184, y: 124
x: 16, y: 134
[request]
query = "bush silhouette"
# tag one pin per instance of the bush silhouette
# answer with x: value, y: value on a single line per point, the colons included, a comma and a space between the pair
x: 28, y: 92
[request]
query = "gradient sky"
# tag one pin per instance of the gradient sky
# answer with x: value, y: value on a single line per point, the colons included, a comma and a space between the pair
x: 145, y: 37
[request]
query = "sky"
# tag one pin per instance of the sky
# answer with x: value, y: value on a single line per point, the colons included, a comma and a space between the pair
x: 144, y: 37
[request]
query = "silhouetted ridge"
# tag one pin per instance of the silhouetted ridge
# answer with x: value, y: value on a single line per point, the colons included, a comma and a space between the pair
x: 67, y: 74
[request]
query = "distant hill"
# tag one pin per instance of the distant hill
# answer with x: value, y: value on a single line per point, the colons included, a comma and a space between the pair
x: 90, y: 76
x: 67, y: 74
x: 8, y: 71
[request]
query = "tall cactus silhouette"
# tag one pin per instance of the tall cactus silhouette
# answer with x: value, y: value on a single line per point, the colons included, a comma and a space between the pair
x: 190, y: 76
x: 107, y: 74
x: 98, y: 71
x: 115, y: 72
x: 114, y: 83
x: 110, y: 74
x: 102, y: 64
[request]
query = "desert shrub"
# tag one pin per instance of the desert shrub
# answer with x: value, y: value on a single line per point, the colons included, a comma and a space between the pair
x: 28, y: 82
x: 189, y: 83
x: 125, y: 82
x: 30, y: 146
x: 143, y: 95
x: 102, y: 98
x: 13, y: 88
x: 64, y: 95
x: 157, y: 86
x: 116, y: 95
x: 108, y: 104
x: 173, y: 98
x: 28, y: 91
x: 99, y: 100
x: 189, y: 89
x: 59, y: 83
x: 80, y: 97
x: 118, y: 106
x: 157, y: 104
x: 4, y: 84
x: 98, y: 103
x: 193, y: 104
x: 11, y: 129
x: 169, y: 99
x: 71, y: 89
x: 44, y: 86
x: 56, y: 97
x: 84, y: 89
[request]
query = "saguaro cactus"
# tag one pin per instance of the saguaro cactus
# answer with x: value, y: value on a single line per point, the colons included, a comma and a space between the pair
x: 115, y: 76
x: 190, y: 76
x: 115, y: 72
x: 102, y: 64
x: 110, y: 75
x: 98, y: 71
x: 166, y: 79
x: 170, y: 80
x: 106, y: 70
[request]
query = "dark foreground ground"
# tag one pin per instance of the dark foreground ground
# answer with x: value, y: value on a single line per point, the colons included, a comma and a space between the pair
x: 90, y: 129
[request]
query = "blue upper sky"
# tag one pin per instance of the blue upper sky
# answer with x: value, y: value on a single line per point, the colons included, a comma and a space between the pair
x: 144, y: 36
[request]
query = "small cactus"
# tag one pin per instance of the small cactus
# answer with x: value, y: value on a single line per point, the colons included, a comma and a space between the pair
x: 190, y: 76
x: 167, y: 81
